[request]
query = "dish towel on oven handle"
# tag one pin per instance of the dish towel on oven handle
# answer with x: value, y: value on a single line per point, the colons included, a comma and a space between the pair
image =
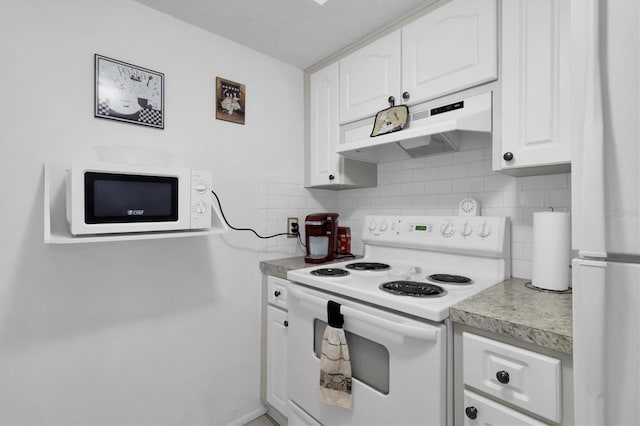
x: 335, y: 363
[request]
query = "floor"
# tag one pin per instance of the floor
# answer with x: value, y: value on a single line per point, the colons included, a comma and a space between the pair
x: 263, y: 420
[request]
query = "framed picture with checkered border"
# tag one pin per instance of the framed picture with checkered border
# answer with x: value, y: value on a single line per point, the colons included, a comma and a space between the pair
x: 128, y: 93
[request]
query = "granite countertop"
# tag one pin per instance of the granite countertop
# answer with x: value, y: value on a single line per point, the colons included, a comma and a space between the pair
x: 280, y: 267
x: 511, y: 309
x: 508, y: 308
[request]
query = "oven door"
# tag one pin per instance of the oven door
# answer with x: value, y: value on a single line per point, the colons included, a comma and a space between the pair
x: 398, y: 364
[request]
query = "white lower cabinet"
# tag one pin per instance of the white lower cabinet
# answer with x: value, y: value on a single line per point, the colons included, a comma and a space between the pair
x: 502, y: 381
x: 277, y: 358
x: 276, y: 345
x: 483, y: 411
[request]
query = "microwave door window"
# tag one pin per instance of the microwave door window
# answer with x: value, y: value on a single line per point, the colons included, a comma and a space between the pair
x: 113, y: 198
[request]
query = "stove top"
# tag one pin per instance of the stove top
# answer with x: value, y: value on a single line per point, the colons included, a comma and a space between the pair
x: 418, y: 265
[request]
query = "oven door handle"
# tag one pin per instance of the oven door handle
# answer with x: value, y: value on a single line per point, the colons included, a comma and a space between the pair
x: 407, y: 330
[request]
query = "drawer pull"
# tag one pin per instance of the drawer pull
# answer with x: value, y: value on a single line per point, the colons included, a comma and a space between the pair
x: 471, y: 412
x: 503, y: 377
x: 277, y: 293
x: 286, y: 323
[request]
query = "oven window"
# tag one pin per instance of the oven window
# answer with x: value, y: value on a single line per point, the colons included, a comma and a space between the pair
x: 119, y: 198
x: 369, y: 360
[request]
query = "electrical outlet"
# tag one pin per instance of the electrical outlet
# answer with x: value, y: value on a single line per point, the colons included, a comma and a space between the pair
x: 292, y: 227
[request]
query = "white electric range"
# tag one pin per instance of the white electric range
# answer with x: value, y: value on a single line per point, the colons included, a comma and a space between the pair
x: 395, y: 302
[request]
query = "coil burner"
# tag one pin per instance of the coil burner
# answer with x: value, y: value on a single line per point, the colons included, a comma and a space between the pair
x: 450, y: 279
x: 413, y: 288
x: 330, y: 272
x: 368, y: 266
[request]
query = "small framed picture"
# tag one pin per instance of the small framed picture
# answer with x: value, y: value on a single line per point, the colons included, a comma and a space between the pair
x: 390, y: 120
x: 129, y: 93
x: 230, y: 100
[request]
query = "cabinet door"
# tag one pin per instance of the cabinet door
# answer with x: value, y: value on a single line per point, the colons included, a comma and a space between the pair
x: 277, y: 359
x: 451, y: 48
x: 368, y: 77
x: 535, y: 84
x: 483, y: 411
x: 325, y: 165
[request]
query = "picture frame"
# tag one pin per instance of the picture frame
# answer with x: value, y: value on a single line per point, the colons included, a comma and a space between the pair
x: 128, y: 93
x: 390, y: 120
x: 230, y: 100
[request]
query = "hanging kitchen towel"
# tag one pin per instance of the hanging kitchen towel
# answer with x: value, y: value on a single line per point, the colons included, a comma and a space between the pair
x: 335, y: 364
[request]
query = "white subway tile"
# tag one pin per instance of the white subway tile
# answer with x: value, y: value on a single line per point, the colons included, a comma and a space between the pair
x: 452, y: 171
x: 488, y: 199
x: 500, y: 182
x: 299, y: 202
x: 510, y: 212
x: 480, y: 168
x: 557, y: 198
x: 438, y: 187
x: 425, y: 174
x: 522, y: 233
x: 413, y: 188
x: 391, y: 190
x: 441, y: 212
x: 438, y: 160
x: 521, y: 269
x: 557, y: 181
x: 278, y: 202
x: 400, y: 176
x: 467, y: 185
x: 449, y: 201
x: 516, y: 250
x: 468, y: 156
x: 426, y: 201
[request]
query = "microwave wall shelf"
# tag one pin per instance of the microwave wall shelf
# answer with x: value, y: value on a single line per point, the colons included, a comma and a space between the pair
x: 56, y: 228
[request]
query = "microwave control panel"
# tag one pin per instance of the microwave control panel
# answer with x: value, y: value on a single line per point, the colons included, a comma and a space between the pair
x: 200, y: 199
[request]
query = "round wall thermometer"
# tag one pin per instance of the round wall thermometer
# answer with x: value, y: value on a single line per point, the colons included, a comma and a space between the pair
x: 469, y: 207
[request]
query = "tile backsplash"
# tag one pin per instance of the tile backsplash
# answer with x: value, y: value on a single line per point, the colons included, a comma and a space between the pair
x: 426, y: 186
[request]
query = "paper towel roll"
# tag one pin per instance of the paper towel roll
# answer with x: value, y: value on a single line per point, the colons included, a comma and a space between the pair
x: 551, y: 250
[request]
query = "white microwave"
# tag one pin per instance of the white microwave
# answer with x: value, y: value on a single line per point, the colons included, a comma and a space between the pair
x: 107, y: 198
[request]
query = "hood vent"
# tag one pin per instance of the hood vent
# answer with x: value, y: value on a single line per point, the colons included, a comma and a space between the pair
x: 429, y: 132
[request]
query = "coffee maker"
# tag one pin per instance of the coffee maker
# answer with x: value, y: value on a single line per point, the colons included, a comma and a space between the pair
x: 321, y: 231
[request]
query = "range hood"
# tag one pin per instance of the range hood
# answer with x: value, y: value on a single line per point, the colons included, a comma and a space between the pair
x: 434, y: 130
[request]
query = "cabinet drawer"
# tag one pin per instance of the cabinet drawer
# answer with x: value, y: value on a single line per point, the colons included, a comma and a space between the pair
x: 521, y: 377
x: 277, y: 291
x: 479, y: 410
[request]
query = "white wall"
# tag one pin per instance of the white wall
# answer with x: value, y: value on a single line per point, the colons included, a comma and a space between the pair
x: 145, y: 332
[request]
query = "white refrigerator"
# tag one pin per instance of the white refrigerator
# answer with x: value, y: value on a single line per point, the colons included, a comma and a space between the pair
x: 605, y: 212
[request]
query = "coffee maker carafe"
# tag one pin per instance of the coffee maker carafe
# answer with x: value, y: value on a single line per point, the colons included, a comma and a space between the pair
x: 321, y: 230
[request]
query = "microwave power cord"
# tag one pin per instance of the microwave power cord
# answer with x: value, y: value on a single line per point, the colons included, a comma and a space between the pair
x: 297, y: 233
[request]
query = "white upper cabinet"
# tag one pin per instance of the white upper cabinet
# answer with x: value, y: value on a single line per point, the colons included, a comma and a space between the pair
x: 324, y: 166
x: 449, y: 49
x: 326, y: 169
x: 368, y: 77
x: 536, y: 81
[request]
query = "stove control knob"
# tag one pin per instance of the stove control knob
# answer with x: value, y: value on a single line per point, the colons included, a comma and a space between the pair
x: 447, y: 229
x: 383, y: 225
x: 467, y: 229
x: 372, y: 225
x: 484, y: 230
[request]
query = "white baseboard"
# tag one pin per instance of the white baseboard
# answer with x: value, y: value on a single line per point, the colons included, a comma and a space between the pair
x: 241, y: 421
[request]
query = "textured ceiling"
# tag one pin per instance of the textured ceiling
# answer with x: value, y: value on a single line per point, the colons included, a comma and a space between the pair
x: 298, y: 32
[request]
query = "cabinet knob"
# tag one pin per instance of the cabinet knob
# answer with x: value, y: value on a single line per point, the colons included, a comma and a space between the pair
x: 391, y: 100
x: 508, y: 156
x: 331, y: 177
x: 503, y: 377
x: 286, y: 323
x: 471, y: 412
x: 406, y: 96
x: 277, y: 293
